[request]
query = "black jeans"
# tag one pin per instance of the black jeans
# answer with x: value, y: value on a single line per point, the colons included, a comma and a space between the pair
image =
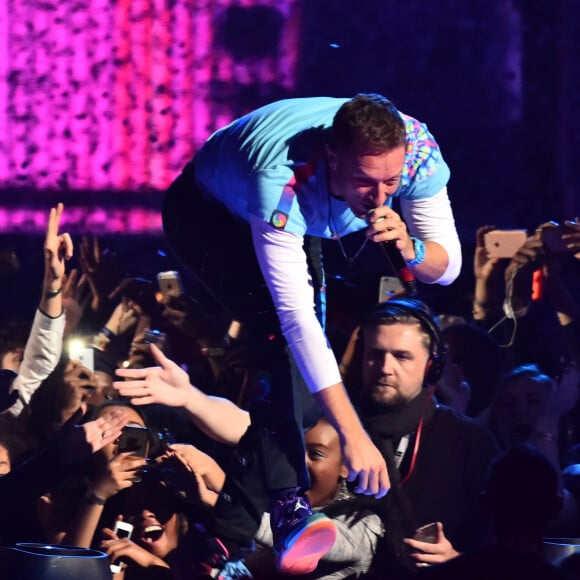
x: 218, y: 249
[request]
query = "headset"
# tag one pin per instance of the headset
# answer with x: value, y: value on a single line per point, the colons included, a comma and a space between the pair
x: 418, y: 310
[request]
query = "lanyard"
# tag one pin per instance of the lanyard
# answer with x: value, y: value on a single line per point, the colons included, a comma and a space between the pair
x: 404, y: 443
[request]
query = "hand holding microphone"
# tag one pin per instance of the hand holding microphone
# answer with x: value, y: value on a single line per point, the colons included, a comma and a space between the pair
x: 396, y: 260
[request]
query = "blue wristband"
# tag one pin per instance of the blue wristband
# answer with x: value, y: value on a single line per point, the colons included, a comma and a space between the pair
x: 419, y: 247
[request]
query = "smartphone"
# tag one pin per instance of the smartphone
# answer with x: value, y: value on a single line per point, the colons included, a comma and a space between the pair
x: 77, y: 350
x: 427, y: 533
x: 504, y: 243
x: 123, y: 530
x: 552, y: 238
x: 156, y: 337
x: 170, y: 284
x: 389, y: 286
x: 135, y: 439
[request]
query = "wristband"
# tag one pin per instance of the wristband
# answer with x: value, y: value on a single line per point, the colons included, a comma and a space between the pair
x: 52, y: 293
x: 93, y: 499
x: 419, y: 248
x: 100, y: 342
x: 107, y: 333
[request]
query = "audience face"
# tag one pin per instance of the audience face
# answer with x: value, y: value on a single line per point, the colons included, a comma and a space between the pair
x: 156, y: 530
x: 104, y: 390
x: 394, y: 361
x: 324, y: 462
x: 519, y: 405
x: 12, y: 360
x: 5, y: 464
x: 152, y: 511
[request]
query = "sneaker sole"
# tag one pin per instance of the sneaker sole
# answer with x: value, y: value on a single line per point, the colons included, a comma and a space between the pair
x: 305, y: 547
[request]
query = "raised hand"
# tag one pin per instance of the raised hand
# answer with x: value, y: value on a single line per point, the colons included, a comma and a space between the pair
x: 489, y: 286
x: 75, y: 298
x: 101, y: 268
x: 518, y: 274
x: 203, y: 466
x: 561, y: 398
x: 116, y: 474
x: 116, y: 548
x: 167, y: 384
x: 77, y: 442
x: 484, y: 267
x: 58, y: 248
x: 572, y: 238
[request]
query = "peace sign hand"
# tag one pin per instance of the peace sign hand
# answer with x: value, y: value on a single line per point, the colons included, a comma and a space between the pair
x: 58, y: 248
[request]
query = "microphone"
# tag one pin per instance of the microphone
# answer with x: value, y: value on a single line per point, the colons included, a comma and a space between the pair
x: 397, y: 262
x: 399, y: 266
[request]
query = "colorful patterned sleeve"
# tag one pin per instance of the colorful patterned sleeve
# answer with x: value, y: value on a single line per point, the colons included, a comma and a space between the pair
x: 425, y: 172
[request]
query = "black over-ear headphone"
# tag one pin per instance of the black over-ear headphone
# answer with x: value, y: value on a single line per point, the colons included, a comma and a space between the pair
x: 418, y: 310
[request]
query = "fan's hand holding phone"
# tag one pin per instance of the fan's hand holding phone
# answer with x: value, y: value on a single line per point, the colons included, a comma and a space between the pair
x: 427, y: 533
x: 134, y: 439
x: 504, y: 243
x: 552, y: 240
x: 170, y: 285
x: 123, y: 530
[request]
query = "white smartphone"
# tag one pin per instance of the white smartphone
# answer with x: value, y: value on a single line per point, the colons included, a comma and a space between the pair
x: 389, y: 286
x: 123, y: 530
x: 170, y: 284
x: 77, y: 350
x: 87, y: 358
x: 504, y: 243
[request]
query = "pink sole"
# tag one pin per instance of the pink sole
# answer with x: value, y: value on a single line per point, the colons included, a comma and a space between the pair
x: 304, y: 553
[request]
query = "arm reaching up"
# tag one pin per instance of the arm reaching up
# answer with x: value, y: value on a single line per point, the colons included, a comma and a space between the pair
x: 44, y: 345
x: 168, y: 384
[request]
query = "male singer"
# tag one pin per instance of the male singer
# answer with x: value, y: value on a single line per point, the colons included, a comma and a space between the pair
x: 250, y: 208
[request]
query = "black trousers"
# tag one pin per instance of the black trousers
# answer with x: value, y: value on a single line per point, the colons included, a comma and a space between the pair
x: 218, y: 250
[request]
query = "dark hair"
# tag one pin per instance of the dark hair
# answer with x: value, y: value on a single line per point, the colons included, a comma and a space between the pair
x: 368, y: 119
x: 528, y: 371
x: 407, y: 311
x: 522, y: 490
x: 13, y: 336
x: 397, y: 311
x: 478, y: 355
x: 14, y: 437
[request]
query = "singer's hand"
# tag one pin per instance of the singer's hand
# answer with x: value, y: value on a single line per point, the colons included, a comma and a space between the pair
x: 385, y: 224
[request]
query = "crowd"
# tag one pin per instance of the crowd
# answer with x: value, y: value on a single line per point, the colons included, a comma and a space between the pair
x: 157, y: 441
x: 160, y: 362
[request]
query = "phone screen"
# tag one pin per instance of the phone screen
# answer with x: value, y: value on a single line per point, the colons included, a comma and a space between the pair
x: 123, y: 532
x: 427, y: 533
x: 134, y: 439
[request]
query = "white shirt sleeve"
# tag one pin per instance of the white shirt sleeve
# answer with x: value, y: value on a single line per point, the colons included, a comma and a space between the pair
x: 41, y: 355
x: 284, y: 266
x: 431, y: 220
